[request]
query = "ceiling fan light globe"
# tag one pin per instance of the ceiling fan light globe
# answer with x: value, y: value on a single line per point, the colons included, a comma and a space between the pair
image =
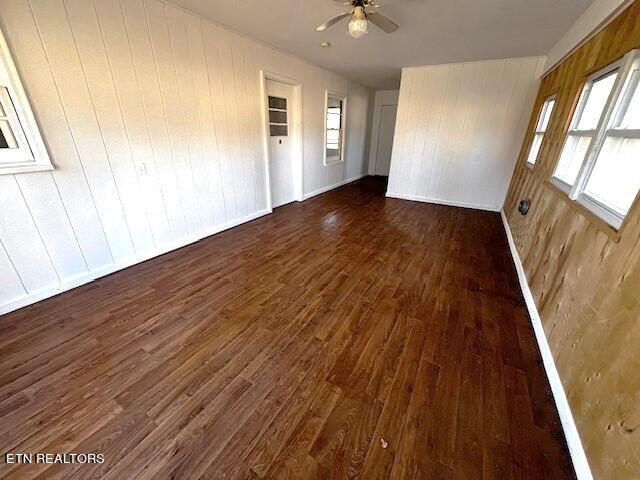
x: 358, y: 25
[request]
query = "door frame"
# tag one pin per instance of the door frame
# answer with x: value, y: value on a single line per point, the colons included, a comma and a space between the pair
x: 295, y: 128
x: 379, y: 131
x: 383, y: 98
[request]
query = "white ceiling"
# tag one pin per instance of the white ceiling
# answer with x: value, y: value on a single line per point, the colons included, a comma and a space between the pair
x: 431, y: 31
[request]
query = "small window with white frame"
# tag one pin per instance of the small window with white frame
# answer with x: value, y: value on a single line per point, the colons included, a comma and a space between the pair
x: 600, y: 163
x: 541, y: 128
x: 21, y: 147
x: 334, y: 128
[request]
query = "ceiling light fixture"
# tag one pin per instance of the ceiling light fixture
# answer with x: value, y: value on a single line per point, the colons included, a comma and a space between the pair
x: 358, y: 25
x: 360, y: 14
x: 325, y: 44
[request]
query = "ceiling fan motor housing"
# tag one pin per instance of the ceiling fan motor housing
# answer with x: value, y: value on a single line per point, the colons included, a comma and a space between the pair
x: 360, y: 17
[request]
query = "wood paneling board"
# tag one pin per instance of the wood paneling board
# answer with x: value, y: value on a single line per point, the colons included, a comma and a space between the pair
x: 116, y: 40
x: 105, y: 103
x: 69, y: 176
x: 292, y: 347
x: 152, y: 116
x: 21, y: 239
x: 12, y: 285
x: 62, y: 53
x: 457, y: 127
x: 50, y: 216
x: 585, y: 280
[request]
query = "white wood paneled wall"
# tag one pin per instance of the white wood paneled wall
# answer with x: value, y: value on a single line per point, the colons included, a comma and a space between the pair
x: 459, y: 130
x: 152, y: 118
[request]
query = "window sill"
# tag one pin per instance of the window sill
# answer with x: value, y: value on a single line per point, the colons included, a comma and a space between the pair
x: 329, y: 162
x: 601, y: 224
x: 560, y: 185
x: 16, y: 169
x: 614, y: 219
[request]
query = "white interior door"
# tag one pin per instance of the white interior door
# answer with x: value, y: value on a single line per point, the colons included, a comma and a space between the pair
x: 281, y: 169
x: 385, y: 138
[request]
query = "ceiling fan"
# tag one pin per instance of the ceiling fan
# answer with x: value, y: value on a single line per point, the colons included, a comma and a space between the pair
x: 361, y: 14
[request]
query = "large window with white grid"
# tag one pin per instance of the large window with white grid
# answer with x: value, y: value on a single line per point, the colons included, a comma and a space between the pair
x: 600, y: 163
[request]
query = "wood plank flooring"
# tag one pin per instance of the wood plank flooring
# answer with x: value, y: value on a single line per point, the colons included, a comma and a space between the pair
x: 350, y: 336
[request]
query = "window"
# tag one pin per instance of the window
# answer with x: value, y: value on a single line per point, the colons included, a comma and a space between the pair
x: 21, y: 146
x: 600, y: 163
x: 334, y: 128
x: 278, y: 119
x: 541, y: 129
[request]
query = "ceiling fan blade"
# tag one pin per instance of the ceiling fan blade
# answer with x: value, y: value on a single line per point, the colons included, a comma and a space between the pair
x: 382, y: 22
x: 328, y: 23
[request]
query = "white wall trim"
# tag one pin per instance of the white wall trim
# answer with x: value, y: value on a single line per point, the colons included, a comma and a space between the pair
x: 440, y: 201
x: 335, y: 185
x: 87, y: 277
x: 71, y: 283
x: 576, y: 450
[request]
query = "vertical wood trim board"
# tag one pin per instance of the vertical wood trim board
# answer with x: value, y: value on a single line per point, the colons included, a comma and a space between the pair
x: 151, y: 116
x: 576, y: 450
x: 458, y: 130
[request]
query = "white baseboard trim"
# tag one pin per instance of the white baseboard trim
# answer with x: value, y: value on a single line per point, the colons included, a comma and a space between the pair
x: 86, y: 277
x: 76, y: 281
x: 576, y: 450
x: 335, y: 185
x: 440, y: 201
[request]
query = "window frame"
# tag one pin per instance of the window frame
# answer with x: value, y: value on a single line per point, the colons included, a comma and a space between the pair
x: 616, y: 104
x: 343, y: 128
x: 31, y: 154
x: 537, y: 131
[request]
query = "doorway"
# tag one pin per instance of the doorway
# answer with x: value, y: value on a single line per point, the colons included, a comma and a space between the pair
x: 386, y: 130
x: 282, y: 141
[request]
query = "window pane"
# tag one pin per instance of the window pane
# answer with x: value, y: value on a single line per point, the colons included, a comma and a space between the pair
x: 575, y: 148
x: 596, y: 100
x: 279, y: 103
x: 278, y: 130
x: 7, y: 140
x: 277, y: 117
x: 333, y: 136
x: 631, y: 118
x: 333, y: 121
x: 546, y: 115
x: 615, y: 179
x: 535, y: 148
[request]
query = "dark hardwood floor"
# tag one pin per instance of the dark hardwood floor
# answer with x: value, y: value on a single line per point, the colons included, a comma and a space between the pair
x: 350, y: 336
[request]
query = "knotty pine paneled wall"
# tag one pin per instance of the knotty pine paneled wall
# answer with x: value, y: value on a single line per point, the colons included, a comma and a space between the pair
x: 586, y: 281
x: 459, y: 128
x: 152, y: 118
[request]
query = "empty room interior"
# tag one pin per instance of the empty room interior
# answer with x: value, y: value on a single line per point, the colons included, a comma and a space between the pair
x: 350, y: 239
